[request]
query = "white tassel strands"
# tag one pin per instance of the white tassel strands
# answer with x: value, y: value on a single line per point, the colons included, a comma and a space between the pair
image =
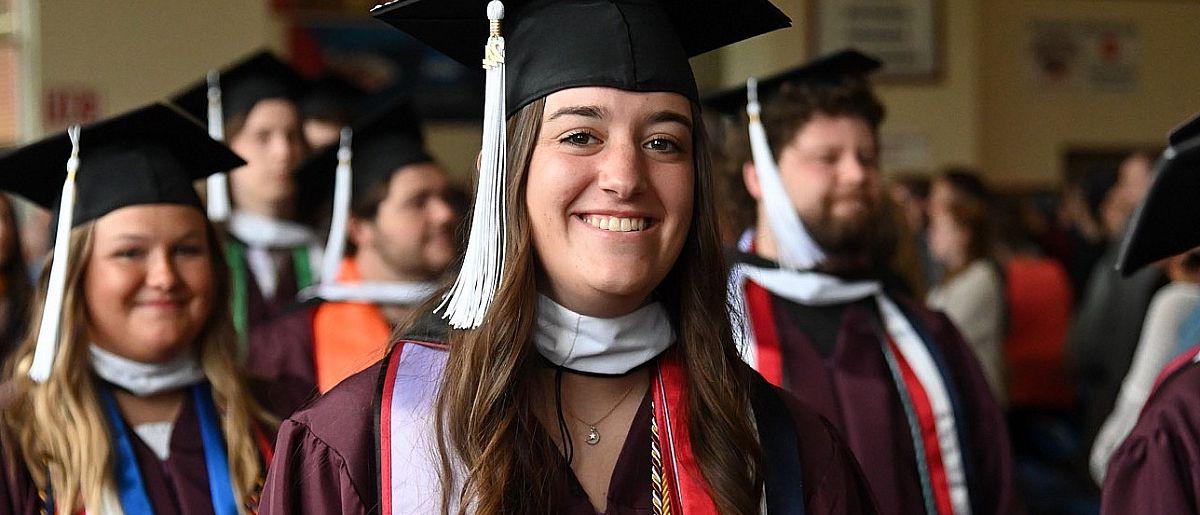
x: 335, y: 248
x: 49, y: 329
x: 217, y: 185
x: 797, y: 250
x: 465, y: 305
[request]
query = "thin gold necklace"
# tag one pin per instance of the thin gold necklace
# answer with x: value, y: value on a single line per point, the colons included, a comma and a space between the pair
x: 593, y: 436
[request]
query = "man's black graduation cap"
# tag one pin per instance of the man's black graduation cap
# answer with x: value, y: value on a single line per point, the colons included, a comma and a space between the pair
x: 383, y: 142
x: 151, y: 155
x: 1168, y: 221
x: 635, y: 45
x: 245, y: 83
x: 825, y: 69
x: 332, y: 98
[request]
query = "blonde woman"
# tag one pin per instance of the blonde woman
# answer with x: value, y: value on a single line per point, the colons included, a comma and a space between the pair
x: 135, y: 403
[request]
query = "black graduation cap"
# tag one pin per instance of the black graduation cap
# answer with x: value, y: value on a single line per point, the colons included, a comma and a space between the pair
x: 1186, y: 131
x: 1168, y: 221
x: 260, y: 76
x: 636, y: 45
x: 381, y: 143
x: 331, y: 98
x: 825, y: 69
x: 151, y: 155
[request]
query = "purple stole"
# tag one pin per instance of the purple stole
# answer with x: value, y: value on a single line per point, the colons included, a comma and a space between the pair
x: 409, y: 465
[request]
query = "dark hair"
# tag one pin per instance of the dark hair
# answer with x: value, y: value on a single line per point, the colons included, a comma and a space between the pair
x: 785, y: 113
x: 917, y: 184
x: 969, y: 204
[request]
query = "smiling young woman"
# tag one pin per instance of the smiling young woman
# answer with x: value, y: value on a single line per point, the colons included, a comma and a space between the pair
x: 127, y: 397
x: 606, y: 351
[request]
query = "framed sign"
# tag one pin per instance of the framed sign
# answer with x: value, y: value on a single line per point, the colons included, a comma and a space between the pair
x: 905, y: 34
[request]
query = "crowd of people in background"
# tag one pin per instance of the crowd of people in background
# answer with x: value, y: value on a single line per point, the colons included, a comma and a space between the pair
x: 971, y: 344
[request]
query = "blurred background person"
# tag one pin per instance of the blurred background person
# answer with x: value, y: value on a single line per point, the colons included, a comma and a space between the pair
x: 329, y: 103
x: 910, y: 196
x: 400, y: 240
x: 1079, y: 215
x: 1109, y: 320
x: 271, y: 248
x: 16, y: 288
x: 971, y: 292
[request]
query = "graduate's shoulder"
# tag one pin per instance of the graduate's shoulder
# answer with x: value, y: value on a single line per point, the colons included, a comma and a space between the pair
x: 1174, y: 405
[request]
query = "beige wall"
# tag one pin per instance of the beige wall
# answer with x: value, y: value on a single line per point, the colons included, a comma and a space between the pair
x: 1026, y: 129
x: 983, y: 111
x: 941, y: 117
x: 132, y: 52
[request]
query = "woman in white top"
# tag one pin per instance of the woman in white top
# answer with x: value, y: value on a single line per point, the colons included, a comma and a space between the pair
x: 972, y: 292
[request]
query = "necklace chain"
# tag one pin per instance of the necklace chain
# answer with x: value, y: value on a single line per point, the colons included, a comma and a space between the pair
x: 593, y: 436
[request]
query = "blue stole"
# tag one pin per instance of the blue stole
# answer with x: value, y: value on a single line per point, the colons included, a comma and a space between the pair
x: 131, y: 488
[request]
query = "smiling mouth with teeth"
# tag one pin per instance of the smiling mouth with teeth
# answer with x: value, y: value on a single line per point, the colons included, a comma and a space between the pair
x: 616, y: 224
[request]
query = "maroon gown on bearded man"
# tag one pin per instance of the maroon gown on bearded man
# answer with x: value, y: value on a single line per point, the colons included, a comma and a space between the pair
x: 830, y: 357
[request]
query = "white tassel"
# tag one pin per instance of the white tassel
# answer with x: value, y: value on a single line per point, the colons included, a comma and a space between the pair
x: 48, y: 331
x: 797, y: 250
x: 336, y: 246
x: 217, y: 184
x: 468, y: 301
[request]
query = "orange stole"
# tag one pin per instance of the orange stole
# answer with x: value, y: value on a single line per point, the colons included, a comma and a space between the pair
x: 347, y: 336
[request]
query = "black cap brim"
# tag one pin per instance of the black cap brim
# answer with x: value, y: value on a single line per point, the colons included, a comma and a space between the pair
x: 1168, y: 221
x: 244, y: 83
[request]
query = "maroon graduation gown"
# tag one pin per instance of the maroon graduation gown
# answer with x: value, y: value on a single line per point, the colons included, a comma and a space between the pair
x: 1157, y: 468
x: 326, y: 458
x: 178, y: 485
x: 849, y: 384
x: 281, y: 350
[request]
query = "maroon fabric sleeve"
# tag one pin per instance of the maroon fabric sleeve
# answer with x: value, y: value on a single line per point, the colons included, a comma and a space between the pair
x: 308, y: 476
x: 1155, y: 469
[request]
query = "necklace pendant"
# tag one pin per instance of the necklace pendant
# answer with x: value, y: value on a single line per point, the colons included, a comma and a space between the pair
x: 593, y: 436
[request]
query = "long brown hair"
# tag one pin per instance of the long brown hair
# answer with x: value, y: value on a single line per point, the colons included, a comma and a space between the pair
x: 60, y: 431
x: 485, y: 408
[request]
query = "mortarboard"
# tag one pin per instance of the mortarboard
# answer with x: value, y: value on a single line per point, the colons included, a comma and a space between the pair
x: 243, y: 84
x: 151, y: 155
x: 148, y: 156
x: 1166, y: 223
x: 824, y: 69
x: 635, y: 45
x: 383, y: 142
x: 532, y: 48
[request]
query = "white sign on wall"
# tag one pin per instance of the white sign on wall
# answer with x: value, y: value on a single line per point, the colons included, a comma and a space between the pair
x: 1083, y: 55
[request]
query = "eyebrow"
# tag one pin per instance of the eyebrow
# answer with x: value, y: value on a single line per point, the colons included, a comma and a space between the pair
x: 596, y: 112
x: 672, y: 117
x: 599, y: 113
x: 129, y: 236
